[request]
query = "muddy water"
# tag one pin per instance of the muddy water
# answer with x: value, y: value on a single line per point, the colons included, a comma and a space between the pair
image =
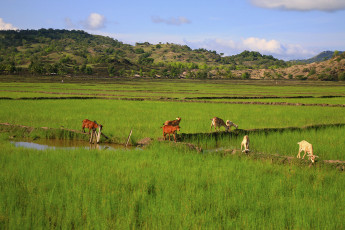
x: 43, y: 144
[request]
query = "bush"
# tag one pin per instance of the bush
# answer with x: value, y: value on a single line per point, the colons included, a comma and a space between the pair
x: 301, y: 77
x: 341, y: 76
x: 245, y: 75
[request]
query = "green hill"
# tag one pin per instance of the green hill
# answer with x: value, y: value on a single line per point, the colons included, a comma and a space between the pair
x: 75, y: 52
x: 323, y: 56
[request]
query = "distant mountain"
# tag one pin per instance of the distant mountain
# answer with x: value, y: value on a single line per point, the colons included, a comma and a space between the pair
x: 323, y: 56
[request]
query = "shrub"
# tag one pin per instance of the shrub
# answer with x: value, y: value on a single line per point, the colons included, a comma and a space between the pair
x: 245, y: 75
x: 301, y: 77
x: 341, y: 76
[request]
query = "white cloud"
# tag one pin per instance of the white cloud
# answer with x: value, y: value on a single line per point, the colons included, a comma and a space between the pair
x: 301, y: 5
x: 171, y: 21
x: 267, y: 47
x: 6, y: 26
x: 262, y: 45
x: 94, y: 21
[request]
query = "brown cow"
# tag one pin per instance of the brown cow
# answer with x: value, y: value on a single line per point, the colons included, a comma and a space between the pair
x: 169, y: 129
x: 174, y: 122
x: 90, y: 125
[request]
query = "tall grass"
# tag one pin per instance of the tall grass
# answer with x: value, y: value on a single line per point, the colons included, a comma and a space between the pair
x: 327, y: 143
x: 146, y: 118
x: 162, y: 188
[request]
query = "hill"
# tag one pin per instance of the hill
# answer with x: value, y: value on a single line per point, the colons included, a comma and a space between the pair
x: 75, y: 52
x: 47, y: 51
x: 323, y: 56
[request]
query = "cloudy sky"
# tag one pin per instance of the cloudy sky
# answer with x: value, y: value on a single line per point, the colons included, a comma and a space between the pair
x: 286, y: 29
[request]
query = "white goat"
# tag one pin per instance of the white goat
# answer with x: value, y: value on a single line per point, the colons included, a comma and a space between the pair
x: 307, y: 148
x: 245, y: 144
x: 218, y: 122
x: 229, y: 124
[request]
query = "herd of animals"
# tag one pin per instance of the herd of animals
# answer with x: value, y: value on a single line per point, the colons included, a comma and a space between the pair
x: 172, y: 126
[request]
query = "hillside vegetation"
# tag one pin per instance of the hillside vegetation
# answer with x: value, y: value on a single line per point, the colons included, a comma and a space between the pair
x: 64, y: 52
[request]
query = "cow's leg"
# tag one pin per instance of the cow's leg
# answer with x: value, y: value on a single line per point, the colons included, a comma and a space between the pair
x: 169, y: 136
x: 99, y: 134
x: 175, y: 137
x: 91, y: 137
x: 164, y: 136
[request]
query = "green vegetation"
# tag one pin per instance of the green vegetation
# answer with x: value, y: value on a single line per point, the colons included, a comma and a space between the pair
x: 62, y: 52
x: 162, y: 188
x: 167, y: 185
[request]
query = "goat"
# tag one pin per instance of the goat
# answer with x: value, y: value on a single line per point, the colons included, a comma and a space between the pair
x: 218, y: 122
x: 169, y: 129
x: 230, y: 123
x: 173, y: 122
x: 245, y: 144
x: 307, y: 148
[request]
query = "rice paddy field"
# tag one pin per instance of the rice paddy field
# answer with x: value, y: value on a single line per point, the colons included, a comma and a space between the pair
x: 166, y: 185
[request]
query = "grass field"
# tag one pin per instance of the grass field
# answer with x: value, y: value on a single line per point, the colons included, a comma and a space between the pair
x: 163, y: 188
x: 169, y: 186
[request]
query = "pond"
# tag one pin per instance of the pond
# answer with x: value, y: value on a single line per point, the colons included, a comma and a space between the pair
x: 43, y: 144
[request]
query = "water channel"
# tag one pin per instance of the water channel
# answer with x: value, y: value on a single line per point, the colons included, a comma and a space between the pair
x: 43, y: 144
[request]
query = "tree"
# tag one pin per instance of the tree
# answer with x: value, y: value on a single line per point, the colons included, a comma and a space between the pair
x: 245, y: 75
x: 111, y: 70
x: 88, y: 70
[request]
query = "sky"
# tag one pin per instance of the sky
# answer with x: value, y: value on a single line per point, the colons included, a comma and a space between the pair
x: 285, y: 29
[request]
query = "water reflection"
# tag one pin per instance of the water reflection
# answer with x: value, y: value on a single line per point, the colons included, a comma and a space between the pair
x: 68, y: 144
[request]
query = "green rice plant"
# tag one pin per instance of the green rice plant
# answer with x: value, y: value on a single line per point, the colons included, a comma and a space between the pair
x: 180, y: 89
x: 326, y: 142
x: 147, y: 117
x: 165, y: 186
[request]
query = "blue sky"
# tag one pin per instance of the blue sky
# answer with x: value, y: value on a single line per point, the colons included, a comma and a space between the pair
x: 286, y: 29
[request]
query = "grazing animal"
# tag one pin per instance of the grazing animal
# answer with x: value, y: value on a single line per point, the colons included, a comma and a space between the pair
x: 218, y: 122
x: 307, y: 148
x: 173, y: 122
x: 245, y: 144
x: 169, y: 129
x: 230, y: 123
x: 92, y: 126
